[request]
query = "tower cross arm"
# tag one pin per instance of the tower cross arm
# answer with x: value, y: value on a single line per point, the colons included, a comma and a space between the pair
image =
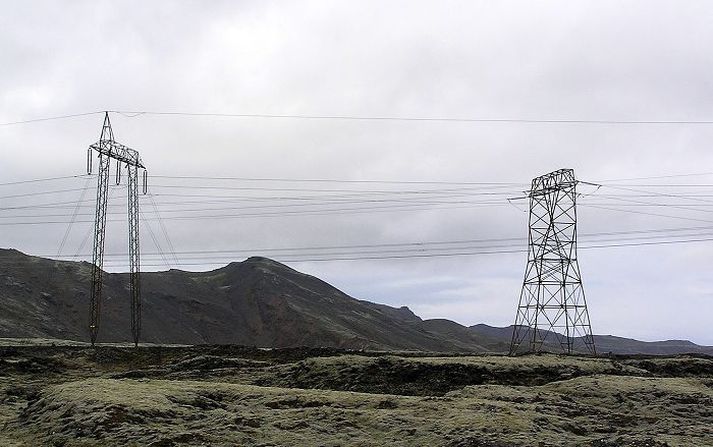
x: 119, y: 152
x: 543, y: 191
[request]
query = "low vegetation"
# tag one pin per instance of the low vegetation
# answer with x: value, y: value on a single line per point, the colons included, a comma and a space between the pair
x: 68, y: 395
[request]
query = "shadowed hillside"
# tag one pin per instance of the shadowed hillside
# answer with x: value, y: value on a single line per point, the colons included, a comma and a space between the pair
x: 257, y: 302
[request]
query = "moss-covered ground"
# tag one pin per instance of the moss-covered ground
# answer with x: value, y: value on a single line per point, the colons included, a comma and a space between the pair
x: 68, y: 395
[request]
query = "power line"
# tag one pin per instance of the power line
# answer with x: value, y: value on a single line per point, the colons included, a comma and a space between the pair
x: 660, y: 194
x: 41, y: 193
x: 335, y: 203
x: 326, y: 208
x: 345, y: 117
x: 190, y: 203
x: 694, y: 174
x: 339, y: 211
x: 75, y: 213
x: 598, y: 238
x: 646, y: 213
x: 51, y: 118
x: 346, y: 197
x: 378, y: 257
x: 322, y: 207
x: 290, y: 180
x: 667, y: 185
x: 323, y: 180
x: 47, y: 179
x: 631, y: 202
x: 332, y: 199
x: 295, y: 189
x: 227, y: 257
x: 171, y: 249
x: 136, y: 113
x: 155, y: 241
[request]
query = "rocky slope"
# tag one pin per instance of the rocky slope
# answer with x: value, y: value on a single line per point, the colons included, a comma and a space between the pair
x: 257, y: 302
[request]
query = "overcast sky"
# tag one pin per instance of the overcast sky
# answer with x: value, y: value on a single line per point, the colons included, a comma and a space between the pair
x: 568, y: 60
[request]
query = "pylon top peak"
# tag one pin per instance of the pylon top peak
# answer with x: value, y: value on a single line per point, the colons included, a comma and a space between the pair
x: 107, y: 132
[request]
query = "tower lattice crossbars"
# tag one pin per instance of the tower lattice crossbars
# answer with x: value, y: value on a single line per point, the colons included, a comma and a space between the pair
x: 552, y: 311
x: 108, y: 150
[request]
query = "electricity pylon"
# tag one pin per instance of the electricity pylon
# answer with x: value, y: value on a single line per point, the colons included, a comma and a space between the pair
x: 108, y: 150
x: 552, y: 305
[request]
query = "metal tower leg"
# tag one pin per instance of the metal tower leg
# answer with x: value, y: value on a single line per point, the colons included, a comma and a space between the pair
x: 98, y: 253
x: 108, y: 150
x: 134, y: 262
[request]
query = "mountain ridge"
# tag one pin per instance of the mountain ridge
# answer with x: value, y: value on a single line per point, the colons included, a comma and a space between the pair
x: 256, y: 302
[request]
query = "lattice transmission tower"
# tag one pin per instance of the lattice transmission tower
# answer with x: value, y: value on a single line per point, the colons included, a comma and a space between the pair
x: 109, y: 150
x: 552, y: 310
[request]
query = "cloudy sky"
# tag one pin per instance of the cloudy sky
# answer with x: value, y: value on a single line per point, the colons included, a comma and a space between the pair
x: 230, y: 187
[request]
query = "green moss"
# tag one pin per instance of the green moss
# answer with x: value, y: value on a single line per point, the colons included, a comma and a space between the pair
x: 192, y: 399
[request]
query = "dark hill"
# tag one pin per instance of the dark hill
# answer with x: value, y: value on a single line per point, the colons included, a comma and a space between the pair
x: 497, y: 339
x: 257, y: 302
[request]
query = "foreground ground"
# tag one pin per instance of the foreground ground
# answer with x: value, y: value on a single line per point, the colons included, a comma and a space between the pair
x: 236, y: 396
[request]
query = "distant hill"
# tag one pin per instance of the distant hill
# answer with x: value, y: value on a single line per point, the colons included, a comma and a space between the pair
x: 603, y: 343
x: 257, y: 302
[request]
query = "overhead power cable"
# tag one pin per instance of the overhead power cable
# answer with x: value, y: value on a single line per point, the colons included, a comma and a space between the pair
x: 370, y: 191
x: 279, y: 202
x: 137, y: 113
x: 188, y: 211
x: 75, y: 213
x: 657, y: 193
x: 692, y: 174
x: 147, y: 225
x: 687, y: 207
x: 40, y: 193
x: 377, y: 257
x: 693, y: 219
x: 324, y: 180
x: 50, y: 118
x: 171, y: 249
x: 592, y: 238
x: 47, y: 179
x: 349, y: 117
x: 325, y: 212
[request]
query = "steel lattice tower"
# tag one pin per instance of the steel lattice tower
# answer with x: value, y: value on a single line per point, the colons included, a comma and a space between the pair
x: 552, y: 307
x: 108, y: 150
